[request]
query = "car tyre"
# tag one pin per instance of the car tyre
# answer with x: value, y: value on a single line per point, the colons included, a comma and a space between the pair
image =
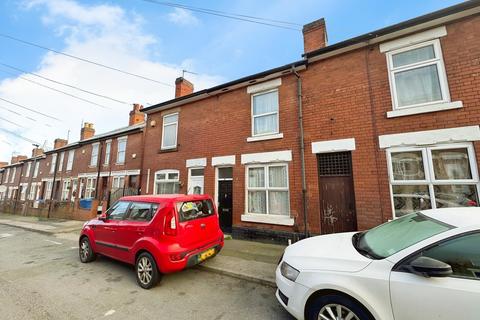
x: 146, y: 271
x: 85, y: 251
x: 330, y: 305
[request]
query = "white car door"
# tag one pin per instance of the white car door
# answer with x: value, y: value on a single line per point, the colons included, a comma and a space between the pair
x: 415, y: 297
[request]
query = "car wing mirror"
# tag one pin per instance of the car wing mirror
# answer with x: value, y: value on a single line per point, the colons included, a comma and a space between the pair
x: 102, y: 217
x: 429, y: 267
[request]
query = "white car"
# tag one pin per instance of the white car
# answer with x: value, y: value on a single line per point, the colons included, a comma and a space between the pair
x: 422, y: 266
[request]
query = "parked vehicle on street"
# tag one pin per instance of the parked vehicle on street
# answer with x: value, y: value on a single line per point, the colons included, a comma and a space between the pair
x: 158, y: 234
x: 424, y: 265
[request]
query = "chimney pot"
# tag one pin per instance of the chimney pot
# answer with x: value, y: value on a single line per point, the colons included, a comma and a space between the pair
x: 183, y: 87
x: 314, y: 35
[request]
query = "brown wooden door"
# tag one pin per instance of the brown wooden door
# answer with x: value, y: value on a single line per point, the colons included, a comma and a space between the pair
x: 337, y: 198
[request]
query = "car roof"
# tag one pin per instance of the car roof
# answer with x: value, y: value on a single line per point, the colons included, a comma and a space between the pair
x: 165, y: 197
x: 457, y: 217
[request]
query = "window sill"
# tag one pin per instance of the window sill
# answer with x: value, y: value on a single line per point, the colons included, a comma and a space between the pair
x: 268, y: 219
x: 265, y: 137
x: 119, y: 163
x: 166, y: 150
x: 425, y: 109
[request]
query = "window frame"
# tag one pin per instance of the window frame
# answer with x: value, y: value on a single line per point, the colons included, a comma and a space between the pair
x: 61, y: 159
x: 167, y: 180
x: 252, y: 119
x: 267, y: 188
x: 53, y: 163
x: 153, y: 210
x: 108, y: 150
x: 94, y: 154
x: 90, y: 187
x: 70, y: 158
x: 36, y: 168
x: 66, y: 186
x: 29, y: 168
x: 430, y: 180
x: 174, y: 146
x: 14, y: 173
x: 121, y: 140
x: 438, y: 61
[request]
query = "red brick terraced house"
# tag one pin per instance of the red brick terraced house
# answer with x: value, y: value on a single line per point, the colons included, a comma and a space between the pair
x: 353, y: 135
x: 100, y: 168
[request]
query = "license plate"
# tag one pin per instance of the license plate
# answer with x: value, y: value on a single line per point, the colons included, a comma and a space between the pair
x: 206, y: 254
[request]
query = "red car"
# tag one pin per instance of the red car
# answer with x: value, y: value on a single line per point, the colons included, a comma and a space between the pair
x: 158, y: 234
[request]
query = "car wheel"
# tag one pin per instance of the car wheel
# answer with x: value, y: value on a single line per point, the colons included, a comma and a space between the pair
x: 336, y: 307
x: 147, y: 271
x: 85, y: 251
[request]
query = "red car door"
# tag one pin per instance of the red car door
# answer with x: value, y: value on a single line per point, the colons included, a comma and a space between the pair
x: 135, y: 226
x: 106, y: 238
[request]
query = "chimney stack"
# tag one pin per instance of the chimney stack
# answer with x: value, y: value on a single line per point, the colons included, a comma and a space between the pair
x: 87, y: 131
x: 37, y: 152
x: 58, y: 143
x: 17, y: 159
x: 136, y: 116
x: 314, y: 35
x: 183, y: 87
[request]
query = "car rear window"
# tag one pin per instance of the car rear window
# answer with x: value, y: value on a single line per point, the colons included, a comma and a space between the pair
x: 191, y: 210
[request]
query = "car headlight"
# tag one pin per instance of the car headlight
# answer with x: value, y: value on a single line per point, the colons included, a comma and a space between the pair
x: 289, y: 272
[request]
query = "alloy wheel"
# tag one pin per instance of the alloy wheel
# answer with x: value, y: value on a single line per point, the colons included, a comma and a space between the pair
x: 336, y: 312
x: 144, y: 271
x: 84, y: 250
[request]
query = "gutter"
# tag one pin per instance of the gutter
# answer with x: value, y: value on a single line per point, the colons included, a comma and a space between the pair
x: 302, y: 151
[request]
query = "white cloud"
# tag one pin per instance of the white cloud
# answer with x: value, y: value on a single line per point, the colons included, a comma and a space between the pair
x: 183, y: 17
x: 103, y: 33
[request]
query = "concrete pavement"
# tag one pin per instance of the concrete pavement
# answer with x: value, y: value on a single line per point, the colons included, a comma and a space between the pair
x: 246, y: 260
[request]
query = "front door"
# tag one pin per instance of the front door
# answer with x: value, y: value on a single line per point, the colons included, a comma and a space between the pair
x: 337, y: 201
x: 195, y: 181
x: 225, y: 198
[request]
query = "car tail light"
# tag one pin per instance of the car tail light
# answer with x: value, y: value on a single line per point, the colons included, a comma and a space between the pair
x: 170, y: 228
x: 178, y: 256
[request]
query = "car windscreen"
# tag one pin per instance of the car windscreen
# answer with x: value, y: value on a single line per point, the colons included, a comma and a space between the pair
x: 394, y: 236
x: 191, y: 210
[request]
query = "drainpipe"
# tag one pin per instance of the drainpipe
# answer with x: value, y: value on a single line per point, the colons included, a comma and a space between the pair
x: 302, y: 150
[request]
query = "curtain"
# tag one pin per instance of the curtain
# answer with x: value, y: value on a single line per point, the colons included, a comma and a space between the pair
x: 257, y: 202
x: 418, y: 85
x: 167, y: 187
x: 408, y: 165
x: 265, y: 124
x: 256, y: 177
x: 451, y: 164
x: 265, y: 103
x: 410, y: 198
x: 278, y: 202
x: 277, y: 177
x: 169, y: 135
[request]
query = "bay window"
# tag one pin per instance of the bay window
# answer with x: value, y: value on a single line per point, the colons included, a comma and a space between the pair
x: 166, y: 182
x: 169, y: 131
x: 267, y: 189
x: 433, y: 177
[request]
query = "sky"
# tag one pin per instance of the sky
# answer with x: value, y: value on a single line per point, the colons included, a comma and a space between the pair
x: 151, y: 41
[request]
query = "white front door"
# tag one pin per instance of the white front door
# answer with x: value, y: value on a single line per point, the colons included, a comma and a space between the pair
x: 195, y: 181
x: 416, y: 297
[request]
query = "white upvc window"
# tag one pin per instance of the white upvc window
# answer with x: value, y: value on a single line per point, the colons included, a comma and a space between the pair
x: 417, y: 75
x: 7, y: 176
x: 118, y: 182
x: 166, y: 182
x: 53, y: 163
x: 12, y: 178
x: 438, y: 176
x: 23, y: 193
x: 94, y: 157
x: 169, y: 131
x: 65, y: 189
x: 267, y: 189
x: 71, y: 156
x: 108, y: 148
x: 29, y: 168
x: 60, y: 164
x: 265, y: 119
x: 121, y: 149
x: 35, y: 169
x: 48, y: 191
x: 32, y: 191
x: 90, y: 187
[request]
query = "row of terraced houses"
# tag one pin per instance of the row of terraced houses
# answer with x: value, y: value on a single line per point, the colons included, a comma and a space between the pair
x: 352, y: 135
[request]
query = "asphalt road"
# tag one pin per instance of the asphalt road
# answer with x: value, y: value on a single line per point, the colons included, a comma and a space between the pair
x: 41, y: 277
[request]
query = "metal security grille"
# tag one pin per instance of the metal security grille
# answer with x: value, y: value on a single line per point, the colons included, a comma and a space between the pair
x: 335, y: 164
